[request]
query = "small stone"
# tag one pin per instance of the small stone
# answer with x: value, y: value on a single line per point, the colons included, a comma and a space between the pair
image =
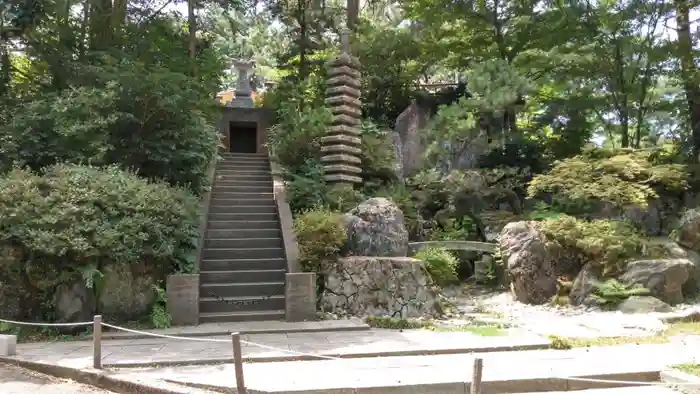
x: 8, y: 345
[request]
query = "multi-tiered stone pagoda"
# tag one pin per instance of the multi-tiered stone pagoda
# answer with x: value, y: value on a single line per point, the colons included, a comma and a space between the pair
x: 341, y: 147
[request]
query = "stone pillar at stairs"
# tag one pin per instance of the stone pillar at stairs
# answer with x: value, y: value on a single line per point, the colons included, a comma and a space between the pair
x: 342, y: 146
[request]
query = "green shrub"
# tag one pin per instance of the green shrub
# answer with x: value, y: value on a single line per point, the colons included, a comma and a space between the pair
x: 159, y: 127
x: 440, y: 263
x: 620, y: 177
x: 321, y: 235
x: 607, y: 242
x: 72, y: 221
x: 611, y: 292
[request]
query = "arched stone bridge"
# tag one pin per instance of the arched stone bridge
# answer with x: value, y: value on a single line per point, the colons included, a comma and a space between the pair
x: 472, y: 246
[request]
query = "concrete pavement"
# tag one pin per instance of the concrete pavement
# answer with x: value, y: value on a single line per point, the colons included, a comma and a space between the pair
x: 16, y: 380
x: 367, y: 343
x: 504, y: 372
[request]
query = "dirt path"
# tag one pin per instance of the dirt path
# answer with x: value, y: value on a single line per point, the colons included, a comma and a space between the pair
x: 15, y: 380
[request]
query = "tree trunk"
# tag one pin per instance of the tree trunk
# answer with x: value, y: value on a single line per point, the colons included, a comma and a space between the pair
x: 688, y: 72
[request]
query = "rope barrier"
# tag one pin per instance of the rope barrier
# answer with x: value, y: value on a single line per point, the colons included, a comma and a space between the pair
x: 98, y: 322
x: 24, y: 323
x: 166, y: 336
x: 260, y: 345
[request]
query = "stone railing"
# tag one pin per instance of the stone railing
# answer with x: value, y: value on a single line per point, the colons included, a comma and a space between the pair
x: 291, y: 250
x: 471, y: 246
x: 204, y: 212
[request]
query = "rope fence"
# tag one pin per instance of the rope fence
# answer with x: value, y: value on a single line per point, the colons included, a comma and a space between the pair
x: 477, y: 370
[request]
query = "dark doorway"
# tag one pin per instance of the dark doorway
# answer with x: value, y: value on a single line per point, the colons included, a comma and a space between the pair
x: 243, y: 137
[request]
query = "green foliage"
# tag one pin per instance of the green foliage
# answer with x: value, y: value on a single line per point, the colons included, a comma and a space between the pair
x: 137, y: 126
x: 440, y: 263
x: 321, y: 235
x: 306, y: 187
x: 542, y: 211
x: 621, y: 177
x: 378, y: 154
x: 77, y: 216
x: 296, y: 137
x: 606, y: 242
x: 611, y: 292
x: 160, y: 318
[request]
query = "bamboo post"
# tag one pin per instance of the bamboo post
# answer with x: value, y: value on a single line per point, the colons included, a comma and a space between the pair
x: 97, y: 342
x: 476, y: 375
x: 238, y: 362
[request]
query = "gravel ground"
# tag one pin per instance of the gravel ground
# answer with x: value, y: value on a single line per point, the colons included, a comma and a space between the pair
x: 15, y: 380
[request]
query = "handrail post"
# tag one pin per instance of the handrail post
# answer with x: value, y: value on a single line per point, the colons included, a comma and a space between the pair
x: 238, y: 362
x: 97, y: 342
x: 477, y: 374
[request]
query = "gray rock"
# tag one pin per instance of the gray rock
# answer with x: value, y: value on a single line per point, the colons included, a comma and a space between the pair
x: 688, y: 232
x: 380, y: 286
x: 663, y: 277
x: 376, y: 227
x: 529, y: 263
x: 584, y: 284
x: 692, y: 285
x: 74, y: 302
x: 126, y: 295
x: 410, y: 142
x: 640, y: 304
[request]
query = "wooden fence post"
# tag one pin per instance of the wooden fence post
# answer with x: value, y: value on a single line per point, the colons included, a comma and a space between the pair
x: 97, y: 342
x: 476, y: 375
x: 238, y: 362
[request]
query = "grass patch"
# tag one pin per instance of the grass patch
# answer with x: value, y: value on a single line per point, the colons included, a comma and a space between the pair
x: 486, y: 330
x: 392, y: 323
x: 680, y: 328
x: 483, y: 330
x: 693, y: 369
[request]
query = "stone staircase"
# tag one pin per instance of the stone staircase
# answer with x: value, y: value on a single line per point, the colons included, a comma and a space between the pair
x: 243, y: 265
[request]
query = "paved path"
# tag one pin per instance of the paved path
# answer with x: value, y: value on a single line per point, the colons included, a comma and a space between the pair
x: 15, y: 380
x: 370, y: 342
x: 434, y: 374
x: 252, y: 327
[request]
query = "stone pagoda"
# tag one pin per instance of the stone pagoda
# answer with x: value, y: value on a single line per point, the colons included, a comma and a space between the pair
x: 341, y: 147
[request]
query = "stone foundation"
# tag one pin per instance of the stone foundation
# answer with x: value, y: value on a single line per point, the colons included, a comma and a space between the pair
x: 380, y: 286
x: 182, y: 292
x: 300, y: 296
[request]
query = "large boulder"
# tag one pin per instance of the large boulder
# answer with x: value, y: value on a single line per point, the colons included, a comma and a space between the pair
x: 409, y: 142
x: 692, y: 285
x: 379, y: 286
x: 663, y: 277
x: 74, y: 302
x: 641, y: 304
x: 530, y: 263
x: 688, y: 232
x: 584, y: 285
x: 127, y: 294
x: 376, y: 227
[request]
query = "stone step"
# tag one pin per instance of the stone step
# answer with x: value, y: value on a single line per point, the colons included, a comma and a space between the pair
x: 245, y: 156
x: 230, y: 179
x: 242, y: 253
x: 210, y: 304
x: 218, y: 207
x: 238, y: 243
x: 212, y: 265
x: 244, y: 233
x: 225, y: 190
x: 238, y: 276
x: 230, y: 186
x: 243, y: 164
x: 247, y: 195
x: 243, y: 224
x: 253, y: 289
x: 248, y: 217
x: 241, y: 316
x: 240, y: 172
x: 251, y: 202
